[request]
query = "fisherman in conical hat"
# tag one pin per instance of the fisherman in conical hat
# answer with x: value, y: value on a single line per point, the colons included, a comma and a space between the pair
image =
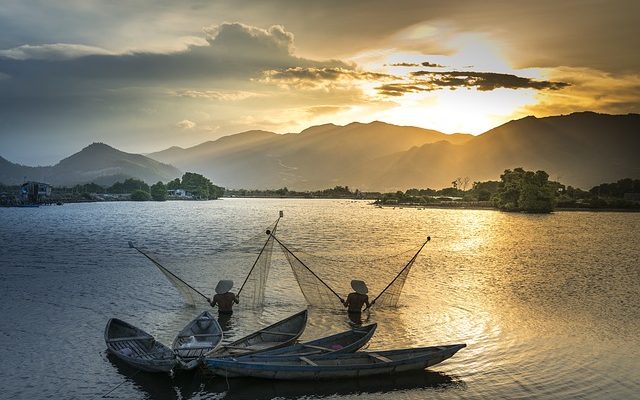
x: 358, y: 298
x: 223, y: 298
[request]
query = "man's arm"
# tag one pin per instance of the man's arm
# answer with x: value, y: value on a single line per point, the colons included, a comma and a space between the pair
x: 236, y: 299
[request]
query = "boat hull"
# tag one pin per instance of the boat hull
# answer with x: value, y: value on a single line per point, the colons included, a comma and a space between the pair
x: 338, y: 367
x: 137, y: 348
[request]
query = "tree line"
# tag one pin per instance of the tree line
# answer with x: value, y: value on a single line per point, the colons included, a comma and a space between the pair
x: 527, y: 191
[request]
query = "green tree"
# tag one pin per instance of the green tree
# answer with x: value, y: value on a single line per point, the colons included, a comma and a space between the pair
x: 174, y: 184
x: 140, y: 195
x: 159, y: 191
x: 129, y: 186
x: 200, y: 186
x: 528, y: 191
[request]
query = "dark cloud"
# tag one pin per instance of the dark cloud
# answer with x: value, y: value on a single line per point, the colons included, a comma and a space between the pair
x: 331, y: 74
x: 431, y: 65
x: 399, y: 89
x: 426, y: 81
x: 403, y: 64
x: 483, y: 80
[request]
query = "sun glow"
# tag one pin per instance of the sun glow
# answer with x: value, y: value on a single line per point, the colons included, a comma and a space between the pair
x: 449, y: 110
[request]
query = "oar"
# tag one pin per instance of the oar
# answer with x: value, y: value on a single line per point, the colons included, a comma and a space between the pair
x: 399, y: 273
x: 259, y: 254
x: 157, y: 264
x: 304, y: 265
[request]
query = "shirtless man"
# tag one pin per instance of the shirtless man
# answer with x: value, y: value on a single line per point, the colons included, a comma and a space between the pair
x: 223, y: 298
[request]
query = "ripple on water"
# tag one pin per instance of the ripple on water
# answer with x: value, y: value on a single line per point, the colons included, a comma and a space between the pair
x: 547, y: 305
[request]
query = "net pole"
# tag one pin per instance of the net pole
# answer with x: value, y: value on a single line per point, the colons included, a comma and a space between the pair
x: 157, y: 264
x: 308, y: 269
x: 399, y: 273
x: 259, y: 254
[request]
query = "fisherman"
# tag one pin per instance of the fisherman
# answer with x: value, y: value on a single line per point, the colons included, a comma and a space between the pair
x: 223, y: 298
x: 358, y: 298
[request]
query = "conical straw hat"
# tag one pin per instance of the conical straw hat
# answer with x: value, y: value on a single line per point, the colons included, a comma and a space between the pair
x: 359, y: 286
x: 224, y: 286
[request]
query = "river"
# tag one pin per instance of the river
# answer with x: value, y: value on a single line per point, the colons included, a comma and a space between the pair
x: 548, y: 305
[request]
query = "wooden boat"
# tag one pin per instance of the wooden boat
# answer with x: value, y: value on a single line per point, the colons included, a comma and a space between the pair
x: 280, y: 334
x: 138, y: 348
x: 338, y: 366
x: 199, y: 337
x: 343, y: 342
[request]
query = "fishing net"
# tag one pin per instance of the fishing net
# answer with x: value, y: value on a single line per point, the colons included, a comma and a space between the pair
x: 253, y: 288
x: 315, y: 291
x: 194, y: 272
x: 390, y: 296
x: 188, y: 293
x: 311, y: 270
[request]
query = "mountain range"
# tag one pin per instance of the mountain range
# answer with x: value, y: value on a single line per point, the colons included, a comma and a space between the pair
x: 98, y: 163
x: 580, y: 149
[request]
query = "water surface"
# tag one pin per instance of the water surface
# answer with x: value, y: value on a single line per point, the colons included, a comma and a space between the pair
x: 548, y: 305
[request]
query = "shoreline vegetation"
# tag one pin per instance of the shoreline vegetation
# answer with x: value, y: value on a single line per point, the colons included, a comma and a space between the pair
x: 517, y: 190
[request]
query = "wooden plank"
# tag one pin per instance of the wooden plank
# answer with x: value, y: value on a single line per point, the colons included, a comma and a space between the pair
x: 279, y: 333
x: 200, y: 335
x: 312, y: 346
x: 379, y: 357
x: 122, y: 339
x: 306, y: 360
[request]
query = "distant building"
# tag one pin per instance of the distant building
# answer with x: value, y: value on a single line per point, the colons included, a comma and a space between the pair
x: 35, y: 192
x: 179, y: 194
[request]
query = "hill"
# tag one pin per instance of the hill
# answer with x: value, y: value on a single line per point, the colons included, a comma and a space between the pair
x: 97, y: 163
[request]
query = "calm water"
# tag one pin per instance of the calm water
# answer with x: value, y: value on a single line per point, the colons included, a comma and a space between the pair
x: 549, y: 305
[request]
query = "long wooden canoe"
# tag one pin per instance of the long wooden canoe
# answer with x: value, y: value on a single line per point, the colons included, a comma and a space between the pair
x: 343, y: 342
x: 137, y: 348
x: 280, y: 334
x: 338, y: 366
x: 202, y: 335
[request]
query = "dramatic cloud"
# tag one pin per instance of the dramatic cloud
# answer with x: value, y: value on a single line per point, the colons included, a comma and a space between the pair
x: 314, y: 78
x: 431, y: 65
x: 590, y: 90
x: 403, y: 64
x: 426, y: 81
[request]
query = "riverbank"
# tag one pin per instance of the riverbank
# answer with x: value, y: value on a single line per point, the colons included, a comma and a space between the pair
x: 471, y: 206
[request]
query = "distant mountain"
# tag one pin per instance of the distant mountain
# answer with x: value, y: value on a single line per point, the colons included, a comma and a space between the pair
x: 97, y: 163
x: 318, y: 157
x: 581, y: 149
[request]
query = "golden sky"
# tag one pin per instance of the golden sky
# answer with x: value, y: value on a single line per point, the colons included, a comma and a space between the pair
x: 146, y: 75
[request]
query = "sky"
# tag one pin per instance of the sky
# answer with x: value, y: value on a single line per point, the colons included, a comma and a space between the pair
x: 145, y: 75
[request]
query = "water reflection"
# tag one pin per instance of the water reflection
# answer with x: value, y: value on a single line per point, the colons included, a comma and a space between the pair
x: 548, y: 305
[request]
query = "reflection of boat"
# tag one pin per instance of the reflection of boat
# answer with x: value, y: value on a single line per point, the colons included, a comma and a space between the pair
x: 337, y: 366
x: 254, y: 388
x: 343, y: 342
x: 280, y: 334
x: 199, y: 337
x: 137, y: 347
